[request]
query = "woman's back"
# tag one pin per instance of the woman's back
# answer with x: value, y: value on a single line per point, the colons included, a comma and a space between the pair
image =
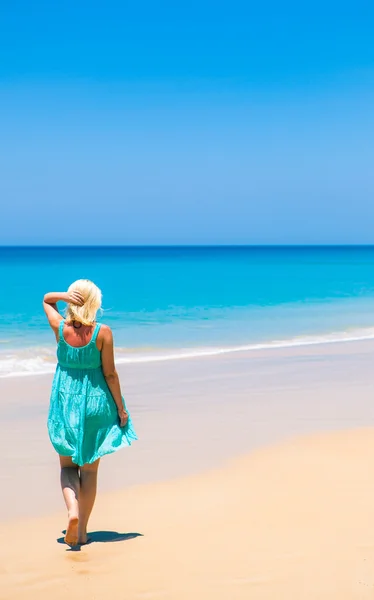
x: 87, y: 356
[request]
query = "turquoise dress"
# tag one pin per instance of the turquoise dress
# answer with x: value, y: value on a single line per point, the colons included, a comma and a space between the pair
x: 83, y: 421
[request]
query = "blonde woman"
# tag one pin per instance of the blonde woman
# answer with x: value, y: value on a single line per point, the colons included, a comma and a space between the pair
x: 87, y: 416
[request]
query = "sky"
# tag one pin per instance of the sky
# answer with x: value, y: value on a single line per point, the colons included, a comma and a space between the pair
x: 186, y: 123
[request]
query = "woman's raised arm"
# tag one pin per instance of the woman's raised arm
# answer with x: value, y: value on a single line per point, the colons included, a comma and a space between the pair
x: 50, y: 305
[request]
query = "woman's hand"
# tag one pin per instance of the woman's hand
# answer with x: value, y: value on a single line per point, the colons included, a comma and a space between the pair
x: 123, y: 417
x: 75, y: 298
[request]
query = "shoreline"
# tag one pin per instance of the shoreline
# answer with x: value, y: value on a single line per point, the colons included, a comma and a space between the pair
x: 131, y: 356
x: 287, y: 520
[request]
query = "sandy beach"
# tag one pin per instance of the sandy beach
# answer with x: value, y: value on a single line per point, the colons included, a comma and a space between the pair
x: 291, y: 521
x: 252, y: 478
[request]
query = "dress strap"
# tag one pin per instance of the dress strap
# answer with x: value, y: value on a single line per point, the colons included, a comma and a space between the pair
x: 96, y: 332
x: 61, y: 329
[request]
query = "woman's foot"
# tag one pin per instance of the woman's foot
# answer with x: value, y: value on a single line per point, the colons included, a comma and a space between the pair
x: 71, y: 537
x: 82, y: 538
x: 84, y: 541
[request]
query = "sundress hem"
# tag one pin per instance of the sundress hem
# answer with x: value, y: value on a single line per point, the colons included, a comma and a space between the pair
x: 124, y: 444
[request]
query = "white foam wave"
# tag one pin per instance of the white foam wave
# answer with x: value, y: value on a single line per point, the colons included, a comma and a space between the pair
x: 39, y: 361
x: 337, y: 337
x: 30, y: 361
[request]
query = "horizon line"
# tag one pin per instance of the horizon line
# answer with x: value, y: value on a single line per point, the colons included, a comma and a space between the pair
x: 164, y: 246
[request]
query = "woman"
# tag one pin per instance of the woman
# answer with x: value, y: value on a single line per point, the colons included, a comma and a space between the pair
x: 87, y: 415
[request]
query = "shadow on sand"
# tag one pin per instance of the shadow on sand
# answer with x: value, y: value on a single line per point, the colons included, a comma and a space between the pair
x: 103, y: 537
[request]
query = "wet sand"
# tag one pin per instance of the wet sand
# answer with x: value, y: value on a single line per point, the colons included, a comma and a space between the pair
x: 190, y: 416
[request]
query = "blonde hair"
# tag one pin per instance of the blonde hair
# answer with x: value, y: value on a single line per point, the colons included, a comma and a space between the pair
x: 85, y: 314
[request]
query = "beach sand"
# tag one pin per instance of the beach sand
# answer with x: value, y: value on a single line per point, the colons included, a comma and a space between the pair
x: 289, y: 521
x: 252, y: 478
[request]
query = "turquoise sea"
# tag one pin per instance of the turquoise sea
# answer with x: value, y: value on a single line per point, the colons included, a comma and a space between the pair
x: 166, y: 303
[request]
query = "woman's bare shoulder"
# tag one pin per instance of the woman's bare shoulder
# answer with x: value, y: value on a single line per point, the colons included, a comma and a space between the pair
x: 105, y: 332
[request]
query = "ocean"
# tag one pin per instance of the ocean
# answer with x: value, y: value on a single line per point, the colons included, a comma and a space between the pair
x: 168, y: 303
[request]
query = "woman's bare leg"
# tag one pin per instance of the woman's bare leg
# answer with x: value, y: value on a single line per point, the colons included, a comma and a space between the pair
x: 88, y: 477
x: 70, y: 485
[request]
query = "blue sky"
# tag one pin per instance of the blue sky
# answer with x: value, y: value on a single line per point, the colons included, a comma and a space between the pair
x: 231, y: 122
